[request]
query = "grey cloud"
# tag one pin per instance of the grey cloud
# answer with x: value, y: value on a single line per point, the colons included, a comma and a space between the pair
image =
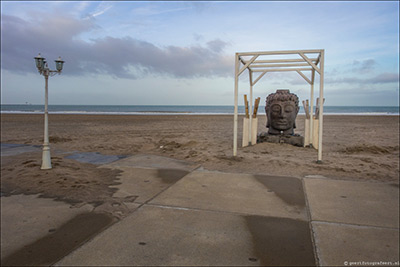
x: 120, y: 57
x: 217, y: 45
x: 22, y: 40
x: 364, y: 66
x: 388, y: 77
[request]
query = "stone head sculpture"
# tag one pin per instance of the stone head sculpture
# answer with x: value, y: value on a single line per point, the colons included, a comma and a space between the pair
x: 281, y: 109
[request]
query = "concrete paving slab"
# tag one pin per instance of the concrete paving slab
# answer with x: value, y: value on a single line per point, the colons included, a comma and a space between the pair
x: 242, y: 193
x: 159, y: 236
x: 94, y: 157
x: 144, y: 184
x: 15, y: 149
x: 351, y: 245
x: 361, y: 203
x: 154, y: 161
x: 27, y: 218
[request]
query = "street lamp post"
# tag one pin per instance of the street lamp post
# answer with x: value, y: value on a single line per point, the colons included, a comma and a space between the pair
x: 44, y: 70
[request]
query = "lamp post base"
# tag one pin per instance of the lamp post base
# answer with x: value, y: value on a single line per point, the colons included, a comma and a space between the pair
x: 46, y: 159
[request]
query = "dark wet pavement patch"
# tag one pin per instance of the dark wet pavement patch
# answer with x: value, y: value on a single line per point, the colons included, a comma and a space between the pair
x: 281, y: 241
x: 289, y: 189
x: 15, y: 149
x: 171, y: 176
x: 94, y: 158
x: 60, y: 242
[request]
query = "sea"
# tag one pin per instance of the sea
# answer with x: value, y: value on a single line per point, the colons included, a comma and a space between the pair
x: 180, y: 110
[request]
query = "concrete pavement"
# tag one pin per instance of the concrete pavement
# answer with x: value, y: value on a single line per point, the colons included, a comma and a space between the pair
x: 183, y: 215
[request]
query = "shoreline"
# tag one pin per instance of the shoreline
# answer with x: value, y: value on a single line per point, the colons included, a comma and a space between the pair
x: 176, y: 113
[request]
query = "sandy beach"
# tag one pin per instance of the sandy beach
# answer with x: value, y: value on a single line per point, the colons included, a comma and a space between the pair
x: 354, y: 147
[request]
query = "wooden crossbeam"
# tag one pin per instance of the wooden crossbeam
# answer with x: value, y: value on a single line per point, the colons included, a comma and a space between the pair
x: 277, y: 70
x: 259, y: 77
x: 247, y: 64
x: 310, y: 62
x: 304, y: 76
x: 278, y: 65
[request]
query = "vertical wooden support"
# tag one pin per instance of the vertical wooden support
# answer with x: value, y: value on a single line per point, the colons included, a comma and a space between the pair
x: 306, y: 132
x: 235, y: 115
x: 251, y: 105
x: 306, y: 123
x: 245, y: 139
x: 315, y: 140
x: 246, y: 106
x: 254, y: 126
x: 321, y: 111
x: 250, y: 137
x: 312, y: 104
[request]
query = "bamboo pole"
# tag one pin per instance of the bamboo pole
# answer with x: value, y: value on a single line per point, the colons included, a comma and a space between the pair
x: 256, y: 103
x: 254, y: 120
x: 246, y: 106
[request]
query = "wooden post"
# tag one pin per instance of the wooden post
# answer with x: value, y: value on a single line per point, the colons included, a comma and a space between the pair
x: 306, y: 124
x: 316, y: 117
x: 245, y: 140
x: 246, y: 105
x: 250, y: 105
x: 312, y: 105
x: 235, y: 113
x: 315, y: 141
x: 254, y: 123
x: 256, y: 103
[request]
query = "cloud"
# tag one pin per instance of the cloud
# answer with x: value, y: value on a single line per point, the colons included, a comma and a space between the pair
x: 125, y: 57
x: 100, y: 10
x: 152, y: 10
x: 364, y: 66
x: 217, y: 45
x: 387, y: 77
x: 22, y: 39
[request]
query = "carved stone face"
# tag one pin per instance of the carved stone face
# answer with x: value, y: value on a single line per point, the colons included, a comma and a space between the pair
x: 281, y: 109
x: 282, y: 116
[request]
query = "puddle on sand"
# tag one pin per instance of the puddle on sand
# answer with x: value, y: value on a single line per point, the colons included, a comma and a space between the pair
x: 61, y: 241
x: 281, y: 241
x: 94, y: 157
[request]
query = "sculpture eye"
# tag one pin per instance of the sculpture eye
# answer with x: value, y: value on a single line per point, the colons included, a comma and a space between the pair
x: 276, y: 108
x: 289, y: 109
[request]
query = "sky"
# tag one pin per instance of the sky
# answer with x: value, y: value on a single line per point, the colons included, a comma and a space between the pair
x: 183, y: 53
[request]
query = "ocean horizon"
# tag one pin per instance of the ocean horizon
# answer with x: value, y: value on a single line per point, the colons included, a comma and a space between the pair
x: 180, y: 109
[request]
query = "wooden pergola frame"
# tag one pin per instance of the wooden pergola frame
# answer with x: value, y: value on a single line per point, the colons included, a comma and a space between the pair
x: 295, y: 60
